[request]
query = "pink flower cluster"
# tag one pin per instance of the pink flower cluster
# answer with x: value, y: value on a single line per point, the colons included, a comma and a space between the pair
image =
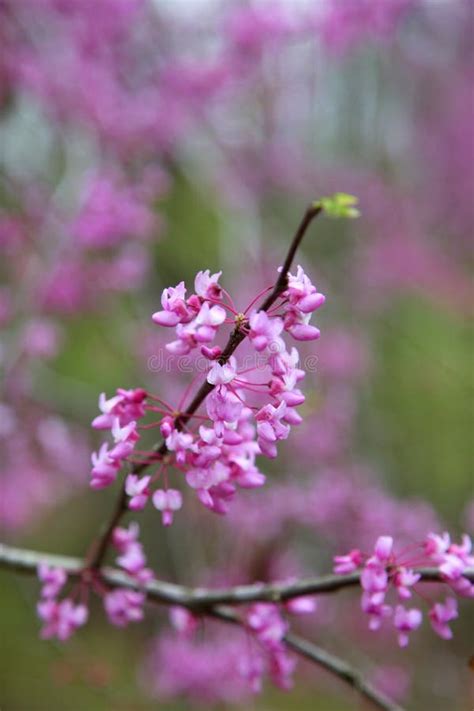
x: 385, y: 570
x: 119, y: 413
x: 220, y: 454
x: 132, y: 557
x: 266, y: 623
x: 60, y: 618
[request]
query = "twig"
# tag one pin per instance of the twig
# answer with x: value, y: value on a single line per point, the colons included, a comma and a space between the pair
x: 198, y: 599
x: 98, y: 549
x: 340, y: 668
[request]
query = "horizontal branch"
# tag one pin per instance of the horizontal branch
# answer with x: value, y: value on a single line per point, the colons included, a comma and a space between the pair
x: 213, y: 603
x: 198, y: 599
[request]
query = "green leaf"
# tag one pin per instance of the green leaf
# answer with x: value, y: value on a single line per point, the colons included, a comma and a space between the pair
x: 339, y: 205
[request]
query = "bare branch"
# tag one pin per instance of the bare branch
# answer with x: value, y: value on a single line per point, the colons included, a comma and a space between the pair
x: 341, y: 669
x: 198, y: 599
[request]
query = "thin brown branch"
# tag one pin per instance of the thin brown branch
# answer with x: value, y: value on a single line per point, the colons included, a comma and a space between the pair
x: 199, y: 599
x: 342, y: 669
x: 98, y: 549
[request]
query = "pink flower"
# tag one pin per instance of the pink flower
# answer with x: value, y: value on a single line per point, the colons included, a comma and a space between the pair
x: 440, y: 614
x: 107, y: 407
x: 167, y: 502
x: 302, y: 294
x: 133, y: 559
x: 53, y: 580
x: 123, y: 606
x: 270, y: 428
x: 406, y: 621
x: 183, y: 621
x: 373, y: 605
x: 403, y: 580
x: 222, y: 374
x: 297, y: 324
x: 138, y: 491
x: 201, y: 330
x: 104, y: 468
x: 127, y: 406
x: 206, y: 285
x: 179, y: 442
x: 282, y: 667
x: 348, y: 563
x: 374, y: 579
x: 436, y: 545
x: 122, y: 538
x: 224, y: 408
x: 125, y: 438
x: 265, y: 620
x: 452, y: 567
x: 284, y: 388
x: 207, y: 481
x: 304, y: 605
x: 173, y: 301
x: 61, y: 619
x: 383, y: 548
x: 265, y: 331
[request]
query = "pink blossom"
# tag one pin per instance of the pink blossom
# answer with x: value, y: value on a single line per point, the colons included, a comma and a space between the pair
x: 104, y: 468
x: 173, y: 301
x: 297, y: 324
x: 122, y: 538
x: 282, y: 666
x: 284, y: 389
x: 60, y: 619
x: 183, y: 620
x: 383, y: 549
x: 125, y: 438
x: 442, y: 613
x: 302, y: 294
x: 374, y: 579
x: 224, y: 408
x: 179, y: 442
x: 437, y: 545
x: 206, y: 285
x: 167, y: 502
x: 201, y: 330
x: 348, y: 563
x: 222, y: 374
x: 53, y: 580
x: 270, y: 428
x: 123, y: 606
x: 406, y: 621
x: 373, y: 604
x: 265, y: 332
x: 217, y: 497
x: 403, y: 580
x: 133, y: 559
x: 265, y: 620
x: 303, y: 605
x: 127, y: 406
x: 138, y: 491
x: 211, y: 353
